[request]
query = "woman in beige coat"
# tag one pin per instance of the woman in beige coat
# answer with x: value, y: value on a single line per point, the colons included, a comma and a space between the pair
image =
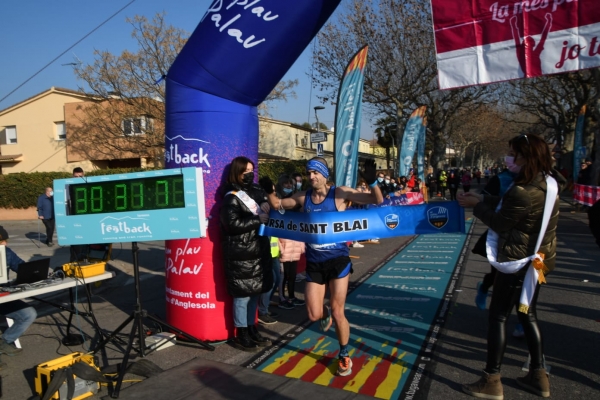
x: 290, y: 254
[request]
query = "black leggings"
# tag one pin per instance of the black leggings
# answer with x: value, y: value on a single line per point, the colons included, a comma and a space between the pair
x: 289, y: 277
x: 488, y: 280
x: 507, y: 291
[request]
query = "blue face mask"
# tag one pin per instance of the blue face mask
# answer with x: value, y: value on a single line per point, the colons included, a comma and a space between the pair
x: 379, y: 180
x: 287, y: 191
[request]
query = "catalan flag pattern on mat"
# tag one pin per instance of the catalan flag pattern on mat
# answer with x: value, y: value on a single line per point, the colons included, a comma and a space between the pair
x: 395, y: 317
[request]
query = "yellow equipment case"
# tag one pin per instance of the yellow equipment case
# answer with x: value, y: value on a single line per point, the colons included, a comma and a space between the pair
x: 93, y: 264
x: 83, y: 388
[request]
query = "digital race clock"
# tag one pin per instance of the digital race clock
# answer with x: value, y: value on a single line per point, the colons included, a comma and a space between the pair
x: 140, y: 206
x: 149, y: 193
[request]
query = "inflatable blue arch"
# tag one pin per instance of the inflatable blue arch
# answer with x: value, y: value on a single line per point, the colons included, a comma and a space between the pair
x: 238, y: 53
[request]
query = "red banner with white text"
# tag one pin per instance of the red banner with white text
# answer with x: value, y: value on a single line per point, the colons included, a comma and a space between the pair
x: 484, y: 41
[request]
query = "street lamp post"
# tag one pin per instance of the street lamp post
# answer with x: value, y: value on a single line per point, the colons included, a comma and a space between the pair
x: 317, y: 108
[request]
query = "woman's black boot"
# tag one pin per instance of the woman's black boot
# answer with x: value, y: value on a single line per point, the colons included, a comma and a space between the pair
x: 257, y: 338
x: 243, y: 341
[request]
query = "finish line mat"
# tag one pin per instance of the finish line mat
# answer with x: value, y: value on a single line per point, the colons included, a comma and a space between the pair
x: 395, y: 313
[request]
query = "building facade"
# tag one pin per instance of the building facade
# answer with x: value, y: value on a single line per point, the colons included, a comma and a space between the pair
x: 33, y: 133
x: 34, y: 137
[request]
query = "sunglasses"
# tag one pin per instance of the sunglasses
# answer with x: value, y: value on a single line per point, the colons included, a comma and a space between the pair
x: 524, y: 136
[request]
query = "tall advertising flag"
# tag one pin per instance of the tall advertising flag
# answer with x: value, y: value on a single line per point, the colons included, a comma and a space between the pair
x: 414, y: 138
x: 421, y: 147
x: 486, y: 41
x: 578, y: 149
x: 237, y: 54
x: 347, y: 120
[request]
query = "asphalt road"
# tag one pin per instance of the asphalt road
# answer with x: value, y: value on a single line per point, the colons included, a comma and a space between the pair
x: 568, y: 310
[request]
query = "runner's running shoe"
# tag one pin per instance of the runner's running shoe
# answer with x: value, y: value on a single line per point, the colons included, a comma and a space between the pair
x: 480, y: 297
x: 519, y: 332
x: 297, y: 302
x: 344, y: 366
x: 326, y: 320
x: 286, y: 304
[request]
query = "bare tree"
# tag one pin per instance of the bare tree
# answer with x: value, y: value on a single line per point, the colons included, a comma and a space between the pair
x: 401, y: 67
x: 401, y: 57
x: 555, y: 102
x: 125, y: 116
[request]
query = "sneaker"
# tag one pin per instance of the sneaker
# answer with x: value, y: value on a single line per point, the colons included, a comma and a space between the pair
x: 300, y: 277
x: 481, y: 297
x: 266, y: 319
x: 286, y: 305
x: 344, y: 366
x: 374, y: 240
x: 357, y: 245
x: 8, y: 349
x: 326, y: 321
x: 519, y: 332
x: 297, y: 302
x: 50, y: 244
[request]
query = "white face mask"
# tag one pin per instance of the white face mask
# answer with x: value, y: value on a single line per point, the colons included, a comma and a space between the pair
x: 387, y: 181
x: 50, y: 194
x: 510, y: 164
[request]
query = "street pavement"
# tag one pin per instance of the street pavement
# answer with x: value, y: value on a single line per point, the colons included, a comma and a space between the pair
x: 568, y: 310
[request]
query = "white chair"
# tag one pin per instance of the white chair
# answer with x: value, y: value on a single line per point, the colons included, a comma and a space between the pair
x: 10, y: 323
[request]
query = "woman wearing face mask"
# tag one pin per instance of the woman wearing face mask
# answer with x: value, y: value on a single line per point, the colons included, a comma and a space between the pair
x: 246, y: 255
x: 518, y: 245
x: 297, y: 177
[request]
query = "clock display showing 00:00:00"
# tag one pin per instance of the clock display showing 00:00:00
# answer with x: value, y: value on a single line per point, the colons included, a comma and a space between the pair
x: 154, y: 193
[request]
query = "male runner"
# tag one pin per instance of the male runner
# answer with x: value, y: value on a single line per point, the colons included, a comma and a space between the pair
x: 328, y: 264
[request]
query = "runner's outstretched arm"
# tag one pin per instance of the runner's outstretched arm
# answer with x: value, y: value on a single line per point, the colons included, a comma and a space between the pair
x: 275, y: 202
x: 369, y: 174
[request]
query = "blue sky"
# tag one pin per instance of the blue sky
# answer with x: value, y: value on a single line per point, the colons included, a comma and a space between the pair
x: 35, y: 32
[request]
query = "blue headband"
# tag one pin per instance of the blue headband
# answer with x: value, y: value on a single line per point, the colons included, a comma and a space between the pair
x: 316, y: 165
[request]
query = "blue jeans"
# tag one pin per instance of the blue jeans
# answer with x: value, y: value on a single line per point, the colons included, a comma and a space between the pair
x: 244, y: 311
x: 23, y: 316
x: 265, y: 298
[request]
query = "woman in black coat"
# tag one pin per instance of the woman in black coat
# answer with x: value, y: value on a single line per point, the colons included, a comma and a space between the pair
x: 246, y: 255
x: 516, y: 225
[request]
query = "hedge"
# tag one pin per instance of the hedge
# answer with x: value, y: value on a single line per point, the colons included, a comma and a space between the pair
x: 22, y: 190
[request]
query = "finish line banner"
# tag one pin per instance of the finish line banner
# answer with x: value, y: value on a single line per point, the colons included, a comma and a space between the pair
x: 350, y: 225
x: 486, y: 41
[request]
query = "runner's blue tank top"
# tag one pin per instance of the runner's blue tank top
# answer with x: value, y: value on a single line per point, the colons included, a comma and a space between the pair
x: 322, y: 252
